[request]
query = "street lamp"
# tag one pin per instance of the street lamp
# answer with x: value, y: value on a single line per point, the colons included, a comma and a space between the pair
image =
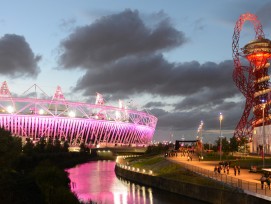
x: 220, y: 147
x: 200, y: 136
x: 263, y: 107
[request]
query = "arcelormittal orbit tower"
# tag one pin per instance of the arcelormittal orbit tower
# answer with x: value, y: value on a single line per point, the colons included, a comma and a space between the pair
x: 253, y: 81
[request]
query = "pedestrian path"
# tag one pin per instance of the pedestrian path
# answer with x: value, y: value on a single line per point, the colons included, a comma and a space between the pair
x: 209, y: 165
x: 248, y: 181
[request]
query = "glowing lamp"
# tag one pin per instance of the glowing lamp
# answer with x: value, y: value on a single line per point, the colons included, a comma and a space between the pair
x: 41, y: 111
x: 258, y: 52
x: 220, y: 117
x: 72, y: 114
x: 10, y: 109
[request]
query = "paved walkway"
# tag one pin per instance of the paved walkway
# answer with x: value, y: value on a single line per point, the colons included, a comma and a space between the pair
x: 209, y: 165
x: 250, y: 179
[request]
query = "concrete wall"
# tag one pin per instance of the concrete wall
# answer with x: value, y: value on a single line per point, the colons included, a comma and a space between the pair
x: 204, y: 193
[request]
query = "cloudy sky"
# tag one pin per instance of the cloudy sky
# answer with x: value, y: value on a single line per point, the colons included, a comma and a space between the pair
x: 170, y: 58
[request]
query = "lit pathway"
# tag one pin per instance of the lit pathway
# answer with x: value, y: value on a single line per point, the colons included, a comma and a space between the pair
x: 248, y: 179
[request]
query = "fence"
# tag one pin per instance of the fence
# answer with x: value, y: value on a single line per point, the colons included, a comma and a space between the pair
x: 232, y: 181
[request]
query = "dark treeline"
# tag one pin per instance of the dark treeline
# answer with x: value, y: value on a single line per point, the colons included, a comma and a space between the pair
x: 35, y: 173
x: 158, y: 149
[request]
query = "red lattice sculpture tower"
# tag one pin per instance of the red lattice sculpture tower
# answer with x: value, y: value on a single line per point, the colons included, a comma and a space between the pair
x: 252, y: 80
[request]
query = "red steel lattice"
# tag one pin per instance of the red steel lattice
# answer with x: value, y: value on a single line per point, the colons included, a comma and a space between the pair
x: 252, y: 80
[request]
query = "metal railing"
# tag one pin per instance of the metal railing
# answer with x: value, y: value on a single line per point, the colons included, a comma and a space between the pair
x: 232, y: 181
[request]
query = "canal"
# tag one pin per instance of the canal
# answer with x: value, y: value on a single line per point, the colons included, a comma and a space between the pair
x: 96, y: 181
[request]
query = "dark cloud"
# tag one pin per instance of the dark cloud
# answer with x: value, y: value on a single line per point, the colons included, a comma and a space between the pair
x: 207, y: 98
x: 128, y: 76
x: 154, y: 104
x: 114, y: 37
x: 189, y: 120
x: 155, y: 75
x: 192, y: 77
x: 124, y: 57
x: 16, y: 57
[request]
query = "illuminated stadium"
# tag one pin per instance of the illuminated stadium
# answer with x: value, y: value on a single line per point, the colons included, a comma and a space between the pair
x: 75, y: 122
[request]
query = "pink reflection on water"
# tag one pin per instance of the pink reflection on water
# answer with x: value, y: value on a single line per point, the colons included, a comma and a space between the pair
x: 96, y: 181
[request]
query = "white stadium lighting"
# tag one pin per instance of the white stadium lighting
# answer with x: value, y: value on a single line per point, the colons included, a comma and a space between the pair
x: 10, y: 109
x: 72, y: 114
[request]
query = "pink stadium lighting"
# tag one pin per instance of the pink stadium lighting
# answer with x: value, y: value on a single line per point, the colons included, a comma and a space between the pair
x: 92, y: 124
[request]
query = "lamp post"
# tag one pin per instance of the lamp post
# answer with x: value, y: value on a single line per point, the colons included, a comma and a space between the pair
x: 220, y: 147
x: 200, y: 136
x: 263, y: 107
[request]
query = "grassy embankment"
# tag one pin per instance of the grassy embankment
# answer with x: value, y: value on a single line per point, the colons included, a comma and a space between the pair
x: 164, y: 168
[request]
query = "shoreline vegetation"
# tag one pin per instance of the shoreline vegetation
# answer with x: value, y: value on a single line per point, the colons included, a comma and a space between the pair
x: 35, y: 173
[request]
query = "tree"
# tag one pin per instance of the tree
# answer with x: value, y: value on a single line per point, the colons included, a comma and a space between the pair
x: 28, y: 147
x: 157, y: 149
x: 65, y: 147
x: 49, y: 145
x: 215, y: 147
x: 54, y: 183
x: 242, y: 141
x: 84, y: 148
x: 225, y: 145
x: 10, y: 148
x: 40, y: 146
x: 243, y: 147
x: 207, y: 146
x: 57, y: 145
x: 233, y: 144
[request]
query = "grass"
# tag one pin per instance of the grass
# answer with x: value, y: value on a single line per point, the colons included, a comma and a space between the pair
x: 147, y: 161
x: 164, y: 168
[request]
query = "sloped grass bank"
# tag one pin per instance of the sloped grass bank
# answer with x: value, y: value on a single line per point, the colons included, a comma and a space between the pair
x: 164, y: 168
x: 174, y: 178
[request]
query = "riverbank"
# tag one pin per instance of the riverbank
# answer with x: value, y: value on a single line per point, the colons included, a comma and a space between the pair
x: 41, y: 178
x: 35, y: 173
x: 182, y: 181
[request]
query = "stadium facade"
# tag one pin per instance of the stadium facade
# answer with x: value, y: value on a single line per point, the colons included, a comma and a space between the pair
x: 76, y: 122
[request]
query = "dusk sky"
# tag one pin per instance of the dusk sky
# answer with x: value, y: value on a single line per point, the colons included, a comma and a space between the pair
x: 171, y: 58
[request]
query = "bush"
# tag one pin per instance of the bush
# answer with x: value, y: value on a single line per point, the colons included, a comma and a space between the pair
x: 54, y: 183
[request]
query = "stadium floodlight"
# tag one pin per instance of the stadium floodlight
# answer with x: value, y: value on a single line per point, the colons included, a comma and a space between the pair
x: 41, y: 111
x: 10, y: 109
x: 72, y: 114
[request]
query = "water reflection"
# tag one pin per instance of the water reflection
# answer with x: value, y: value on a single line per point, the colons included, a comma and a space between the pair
x: 137, y: 193
x: 96, y: 181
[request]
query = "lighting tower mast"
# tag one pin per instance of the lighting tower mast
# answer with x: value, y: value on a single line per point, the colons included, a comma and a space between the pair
x: 252, y: 80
